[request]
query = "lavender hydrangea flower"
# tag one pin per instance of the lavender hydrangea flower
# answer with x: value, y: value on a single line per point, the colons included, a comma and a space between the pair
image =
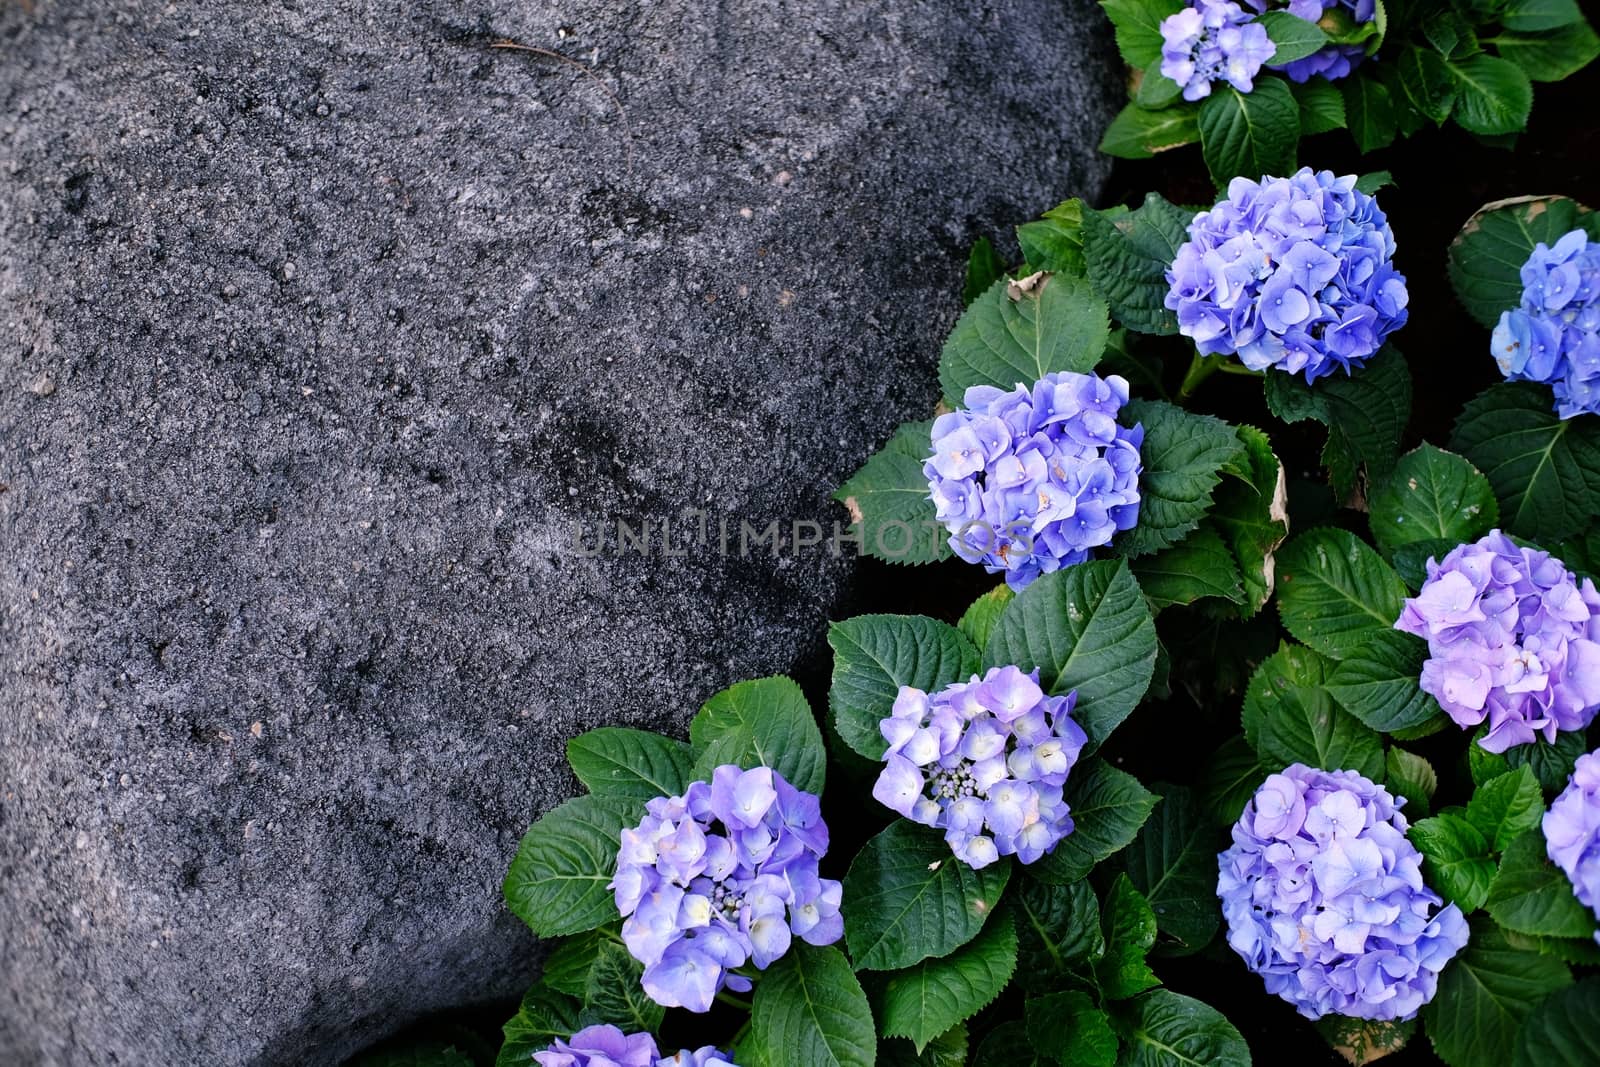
x: 707, y: 1056
x: 1554, y: 336
x: 1332, y: 61
x: 1213, y: 40
x: 1290, y: 273
x: 600, y: 1046
x: 724, y: 875
x: 1324, y: 898
x: 1032, y: 480
x: 1513, y: 637
x: 984, y: 761
x: 1572, y: 831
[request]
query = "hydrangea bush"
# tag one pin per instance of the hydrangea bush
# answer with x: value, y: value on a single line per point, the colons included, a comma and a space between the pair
x: 1553, y: 335
x: 992, y: 882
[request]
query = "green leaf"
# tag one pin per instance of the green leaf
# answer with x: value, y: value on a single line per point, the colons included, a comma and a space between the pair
x: 1431, y: 495
x: 1551, y: 763
x: 1251, y: 513
x: 1173, y: 862
x: 1108, y: 807
x: 1564, y: 1030
x: 543, y: 1016
x: 1088, y: 628
x: 1458, y: 864
x: 566, y: 968
x: 1531, y: 895
x: 1552, y: 55
x: 1503, y: 807
x: 1493, y: 96
x: 1486, y: 257
x: 1412, y: 777
x: 1321, y: 106
x: 978, y: 621
x: 1293, y: 36
x: 949, y: 1049
x: 1576, y: 950
x: 889, y: 503
x: 1305, y: 727
x: 613, y: 761
x: 1019, y: 331
x: 615, y: 994
x: 984, y: 268
x: 557, y: 881
x: 1130, y: 930
x: 766, y: 722
x: 1128, y: 256
x: 1365, y: 415
x: 1166, y: 1029
x: 810, y: 1009
x: 1485, y: 995
x: 1138, y: 133
x: 1531, y: 16
x: 1372, y: 181
x: 1411, y: 561
x: 1138, y: 26
x: 1545, y: 471
x: 1361, y: 1041
x: 1154, y: 91
x: 1335, y: 593
x: 1055, y: 241
x: 1183, y: 456
x: 1058, y: 926
x: 929, y: 998
x: 1369, y: 111
x: 907, y: 897
x: 1233, y: 775
x: 1377, y: 683
x: 1271, y: 687
x: 1249, y: 134
x: 1068, y: 1028
x: 1198, y: 566
x: 1007, y: 1045
x: 1425, y: 78
x: 874, y: 655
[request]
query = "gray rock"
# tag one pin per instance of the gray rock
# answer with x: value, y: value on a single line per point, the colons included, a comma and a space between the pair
x: 322, y: 323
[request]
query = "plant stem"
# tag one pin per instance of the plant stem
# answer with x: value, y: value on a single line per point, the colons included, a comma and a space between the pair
x: 729, y: 998
x: 1200, y: 368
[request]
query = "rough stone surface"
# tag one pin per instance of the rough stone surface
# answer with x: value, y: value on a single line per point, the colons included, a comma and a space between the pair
x: 322, y: 320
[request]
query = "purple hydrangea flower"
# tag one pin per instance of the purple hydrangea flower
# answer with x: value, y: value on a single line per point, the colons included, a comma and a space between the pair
x: 1332, y: 61
x: 724, y: 875
x: 984, y: 761
x: 707, y: 1056
x: 1323, y: 896
x: 1029, y: 481
x: 1213, y: 40
x: 600, y: 1046
x: 1572, y: 831
x: 1290, y: 273
x: 1513, y: 637
x: 1554, y: 337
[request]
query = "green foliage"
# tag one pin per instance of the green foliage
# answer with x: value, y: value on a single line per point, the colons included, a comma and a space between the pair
x: 984, y: 268
x: 1069, y: 1029
x: 1055, y: 241
x: 1365, y: 414
x: 637, y: 764
x: 1130, y: 931
x: 1293, y: 37
x: 1564, y: 1030
x: 1251, y: 515
x: 1530, y: 895
x: 1108, y: 808
x: 1252, y: 133
x: 1138, y: 26
x: 762, y: 723
x: 1505, y: 806
x: 1377, y: 683
x: 1335, y: 593
x: 874, y: 655
x: 978, y: 621
x: 1166, y: 1029
x: 1128, y: 254
x: 613, y: 993
x: 1019, y: 331
x: 809, y: 1008
x: 1551, y: 763
x: 1431, y: 495
x: 1183, y: 456
x: 1173, y: 862
x: 1085, y: 628
x: 1233, y: 775
x: 543, y: 1016
x: 1058, y: 926
x: 1361, y: 1041
x: 1485, y: 995
x: 1139, y: 133
x: 1199, y: 566
x: 907, y: 898
x: 929, y: 998
x: 889, y: 503
x: 557, y: 881
x: 1486, y: 257
x: 1413, y: 777
x: 1458, y: 864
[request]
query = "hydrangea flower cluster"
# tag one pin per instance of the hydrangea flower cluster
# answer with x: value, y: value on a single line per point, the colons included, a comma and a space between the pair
x: 607, y: 1046
x: 1031, y: 480
x: 1213, y: 40
x: 1332, y: 61
x: 1572, y: 831
x: 1513, y: 637
x: 1554, y: 336
x: 1324, y: 898
x: 984, y: 761
x: 1290, y: 273
x: 723, y: 875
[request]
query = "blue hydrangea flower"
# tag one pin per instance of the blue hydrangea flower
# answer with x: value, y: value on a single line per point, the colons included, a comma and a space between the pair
x: 1572, y: 831
x: 1332, y: 61
x: 1213, y: 40
x: 724, y: 875
x: 1513, y: 637
x: 984, y: 761
x: 1032, y: 480
x: 1324, y: 898
x: 607, y: 1046
x: 1290, y: 273
x: 1554, y: 337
